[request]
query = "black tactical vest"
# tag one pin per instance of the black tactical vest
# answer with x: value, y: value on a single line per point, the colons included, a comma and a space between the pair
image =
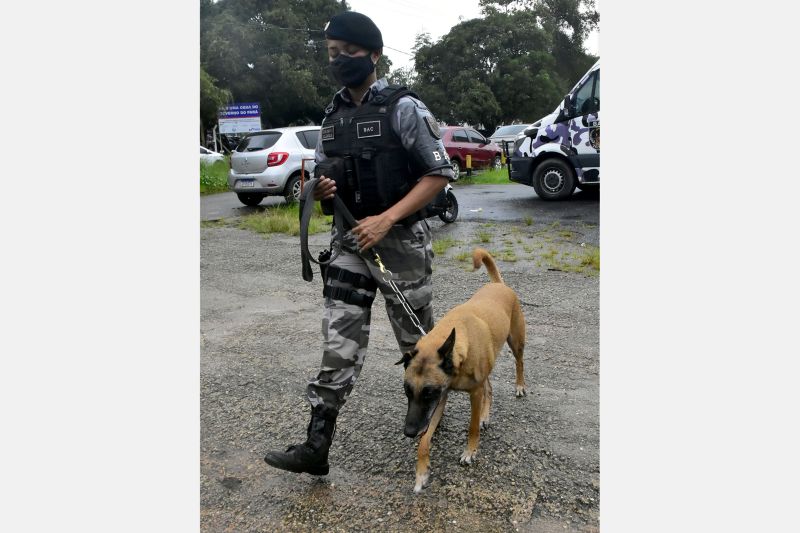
x: 373, y: 169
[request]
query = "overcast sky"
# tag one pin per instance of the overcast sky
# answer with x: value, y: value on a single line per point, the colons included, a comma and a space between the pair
x: 401, y: 20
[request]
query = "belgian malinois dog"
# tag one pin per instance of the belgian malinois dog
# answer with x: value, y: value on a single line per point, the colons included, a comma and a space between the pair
x: 459, y: 354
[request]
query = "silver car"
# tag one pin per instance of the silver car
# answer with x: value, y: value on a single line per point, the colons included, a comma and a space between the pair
x: 268, y: 163
x: 505, y: 135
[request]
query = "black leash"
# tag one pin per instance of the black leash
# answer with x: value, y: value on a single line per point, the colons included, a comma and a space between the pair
x: 341, y: 215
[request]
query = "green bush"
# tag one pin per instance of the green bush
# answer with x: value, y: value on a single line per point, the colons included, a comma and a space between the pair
x: 214, y: 178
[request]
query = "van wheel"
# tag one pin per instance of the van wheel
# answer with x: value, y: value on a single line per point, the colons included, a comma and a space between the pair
x: 553, y: 179
x: 251, y: 200
x: 291, y: 193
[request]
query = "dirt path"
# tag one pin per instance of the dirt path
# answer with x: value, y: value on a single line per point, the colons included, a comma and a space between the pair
x: 537, y: 468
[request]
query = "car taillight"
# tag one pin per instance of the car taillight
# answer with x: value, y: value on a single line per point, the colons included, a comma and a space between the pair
x: 277, y: 158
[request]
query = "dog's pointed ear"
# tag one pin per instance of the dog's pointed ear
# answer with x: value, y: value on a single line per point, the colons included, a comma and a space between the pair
x: 446, y: 353
x: 407, y: 357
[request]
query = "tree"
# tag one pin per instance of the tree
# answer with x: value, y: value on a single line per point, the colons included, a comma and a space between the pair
x: 212, y: 98
x: 272, y: 52
x: 514, y: 64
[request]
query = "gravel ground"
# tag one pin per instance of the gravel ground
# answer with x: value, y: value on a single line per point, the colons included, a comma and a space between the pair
x: 537, y: 467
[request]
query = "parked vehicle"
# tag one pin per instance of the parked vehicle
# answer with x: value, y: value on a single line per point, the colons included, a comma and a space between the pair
x: 507, y: 135
x: 268, y: 163
x: 460, y: 141
x: 444, y: 205
x: 209, y: 157
x: 561, y: 151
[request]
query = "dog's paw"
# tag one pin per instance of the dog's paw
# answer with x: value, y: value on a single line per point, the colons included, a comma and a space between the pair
x: 467, y: 457
x: 521, y: 391
x: 422, y: 482
x: 484, y: 424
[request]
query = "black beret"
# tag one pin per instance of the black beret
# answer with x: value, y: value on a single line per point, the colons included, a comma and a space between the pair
x: 354, y: 28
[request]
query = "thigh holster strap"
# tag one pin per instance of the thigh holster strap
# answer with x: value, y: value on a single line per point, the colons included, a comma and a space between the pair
x: 348, y: 296
x: 351, y: 278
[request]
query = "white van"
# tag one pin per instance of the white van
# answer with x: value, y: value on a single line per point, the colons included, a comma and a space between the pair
x: 562, y: 150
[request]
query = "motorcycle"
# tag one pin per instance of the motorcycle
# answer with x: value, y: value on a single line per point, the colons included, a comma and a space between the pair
x: 445, y: 205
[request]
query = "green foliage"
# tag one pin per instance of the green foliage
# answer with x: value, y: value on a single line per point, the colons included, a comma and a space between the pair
x: 494, y: 177
x: 212, y: 98
x: 515, y: 64
x: 272, y: 52
x: 213, y: 178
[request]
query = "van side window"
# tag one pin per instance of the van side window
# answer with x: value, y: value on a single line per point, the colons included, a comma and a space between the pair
x: 587, y: 97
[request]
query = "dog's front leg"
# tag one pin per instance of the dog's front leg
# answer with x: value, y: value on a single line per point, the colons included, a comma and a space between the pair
x: 424, y: 449
x: 476, y: 403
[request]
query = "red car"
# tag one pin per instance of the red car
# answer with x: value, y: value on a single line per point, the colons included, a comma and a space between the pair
x: 460, y: 141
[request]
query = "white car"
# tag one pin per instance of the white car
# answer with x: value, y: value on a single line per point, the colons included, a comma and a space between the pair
x: 506, y: 135
x: 269, y: 163
x: 210, y: 157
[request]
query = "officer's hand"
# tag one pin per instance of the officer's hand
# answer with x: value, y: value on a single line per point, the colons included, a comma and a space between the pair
x: 371, y: 230
x: 325, y: 190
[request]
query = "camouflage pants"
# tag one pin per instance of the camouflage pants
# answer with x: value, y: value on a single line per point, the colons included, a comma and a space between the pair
x: 407, y: 252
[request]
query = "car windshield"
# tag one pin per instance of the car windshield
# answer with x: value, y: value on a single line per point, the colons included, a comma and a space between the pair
x: 509, y: 130
x: 258, y: 141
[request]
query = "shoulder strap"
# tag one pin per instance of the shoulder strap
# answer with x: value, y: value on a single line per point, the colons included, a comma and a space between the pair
x: 391, y: 94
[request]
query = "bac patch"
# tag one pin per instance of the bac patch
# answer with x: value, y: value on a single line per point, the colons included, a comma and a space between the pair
x: 369, y: 129
x: 433, y: 126
x: 327, y: 133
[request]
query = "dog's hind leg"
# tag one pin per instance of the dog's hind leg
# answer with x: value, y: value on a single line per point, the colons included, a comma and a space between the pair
x: 516, y: 341
x: 476, y: 396
x: 487, y: 404
x: 424, y: 449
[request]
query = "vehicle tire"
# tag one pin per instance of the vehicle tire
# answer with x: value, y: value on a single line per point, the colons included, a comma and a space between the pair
x: 251, y: 200
x: 451, y: 213
x: 498, y: 163
x: 456, y: 167
x: 291, y: 193
x: 553, y: 179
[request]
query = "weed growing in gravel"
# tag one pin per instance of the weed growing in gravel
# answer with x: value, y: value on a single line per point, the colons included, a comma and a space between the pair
x: 528, y: 220
x: 591, y: 258
x: 463, y: 256
x: 219, y: 223
x: 566, y: 234
x: 484, y: 237
x: 285, y: 219
x: 440, y: 246
x: 508, y: 255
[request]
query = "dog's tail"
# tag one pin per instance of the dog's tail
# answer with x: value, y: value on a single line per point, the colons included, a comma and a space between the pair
x: 479, y: 255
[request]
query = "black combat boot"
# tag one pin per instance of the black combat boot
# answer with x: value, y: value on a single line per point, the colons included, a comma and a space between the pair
x: 312, y: 455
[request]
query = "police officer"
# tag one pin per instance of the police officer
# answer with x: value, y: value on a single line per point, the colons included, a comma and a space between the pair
x: 381, y: 151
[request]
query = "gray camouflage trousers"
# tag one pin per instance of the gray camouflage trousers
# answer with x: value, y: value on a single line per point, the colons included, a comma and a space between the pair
x: 408, y: 253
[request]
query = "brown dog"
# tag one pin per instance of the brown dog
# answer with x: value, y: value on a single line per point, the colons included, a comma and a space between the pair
x: 459, y: 354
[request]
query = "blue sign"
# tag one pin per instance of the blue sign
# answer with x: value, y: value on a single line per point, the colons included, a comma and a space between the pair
x: 251, y: 110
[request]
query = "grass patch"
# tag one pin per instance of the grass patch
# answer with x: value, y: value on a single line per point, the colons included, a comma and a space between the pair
x: 508, y: 255
x: 463, y: 256
x: 486, y: 177
x: 528, y: 220
x: 440, y: 246
x: 566, y: 234
x: 285, y: 219
x: 484, y: 237
x: 591, y: 258
x: 214, y: 178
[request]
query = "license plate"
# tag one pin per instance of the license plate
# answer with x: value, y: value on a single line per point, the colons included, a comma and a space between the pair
x: 247, y: 183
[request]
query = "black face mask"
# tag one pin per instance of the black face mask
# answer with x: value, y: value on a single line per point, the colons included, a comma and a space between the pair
x: 351, y: 71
